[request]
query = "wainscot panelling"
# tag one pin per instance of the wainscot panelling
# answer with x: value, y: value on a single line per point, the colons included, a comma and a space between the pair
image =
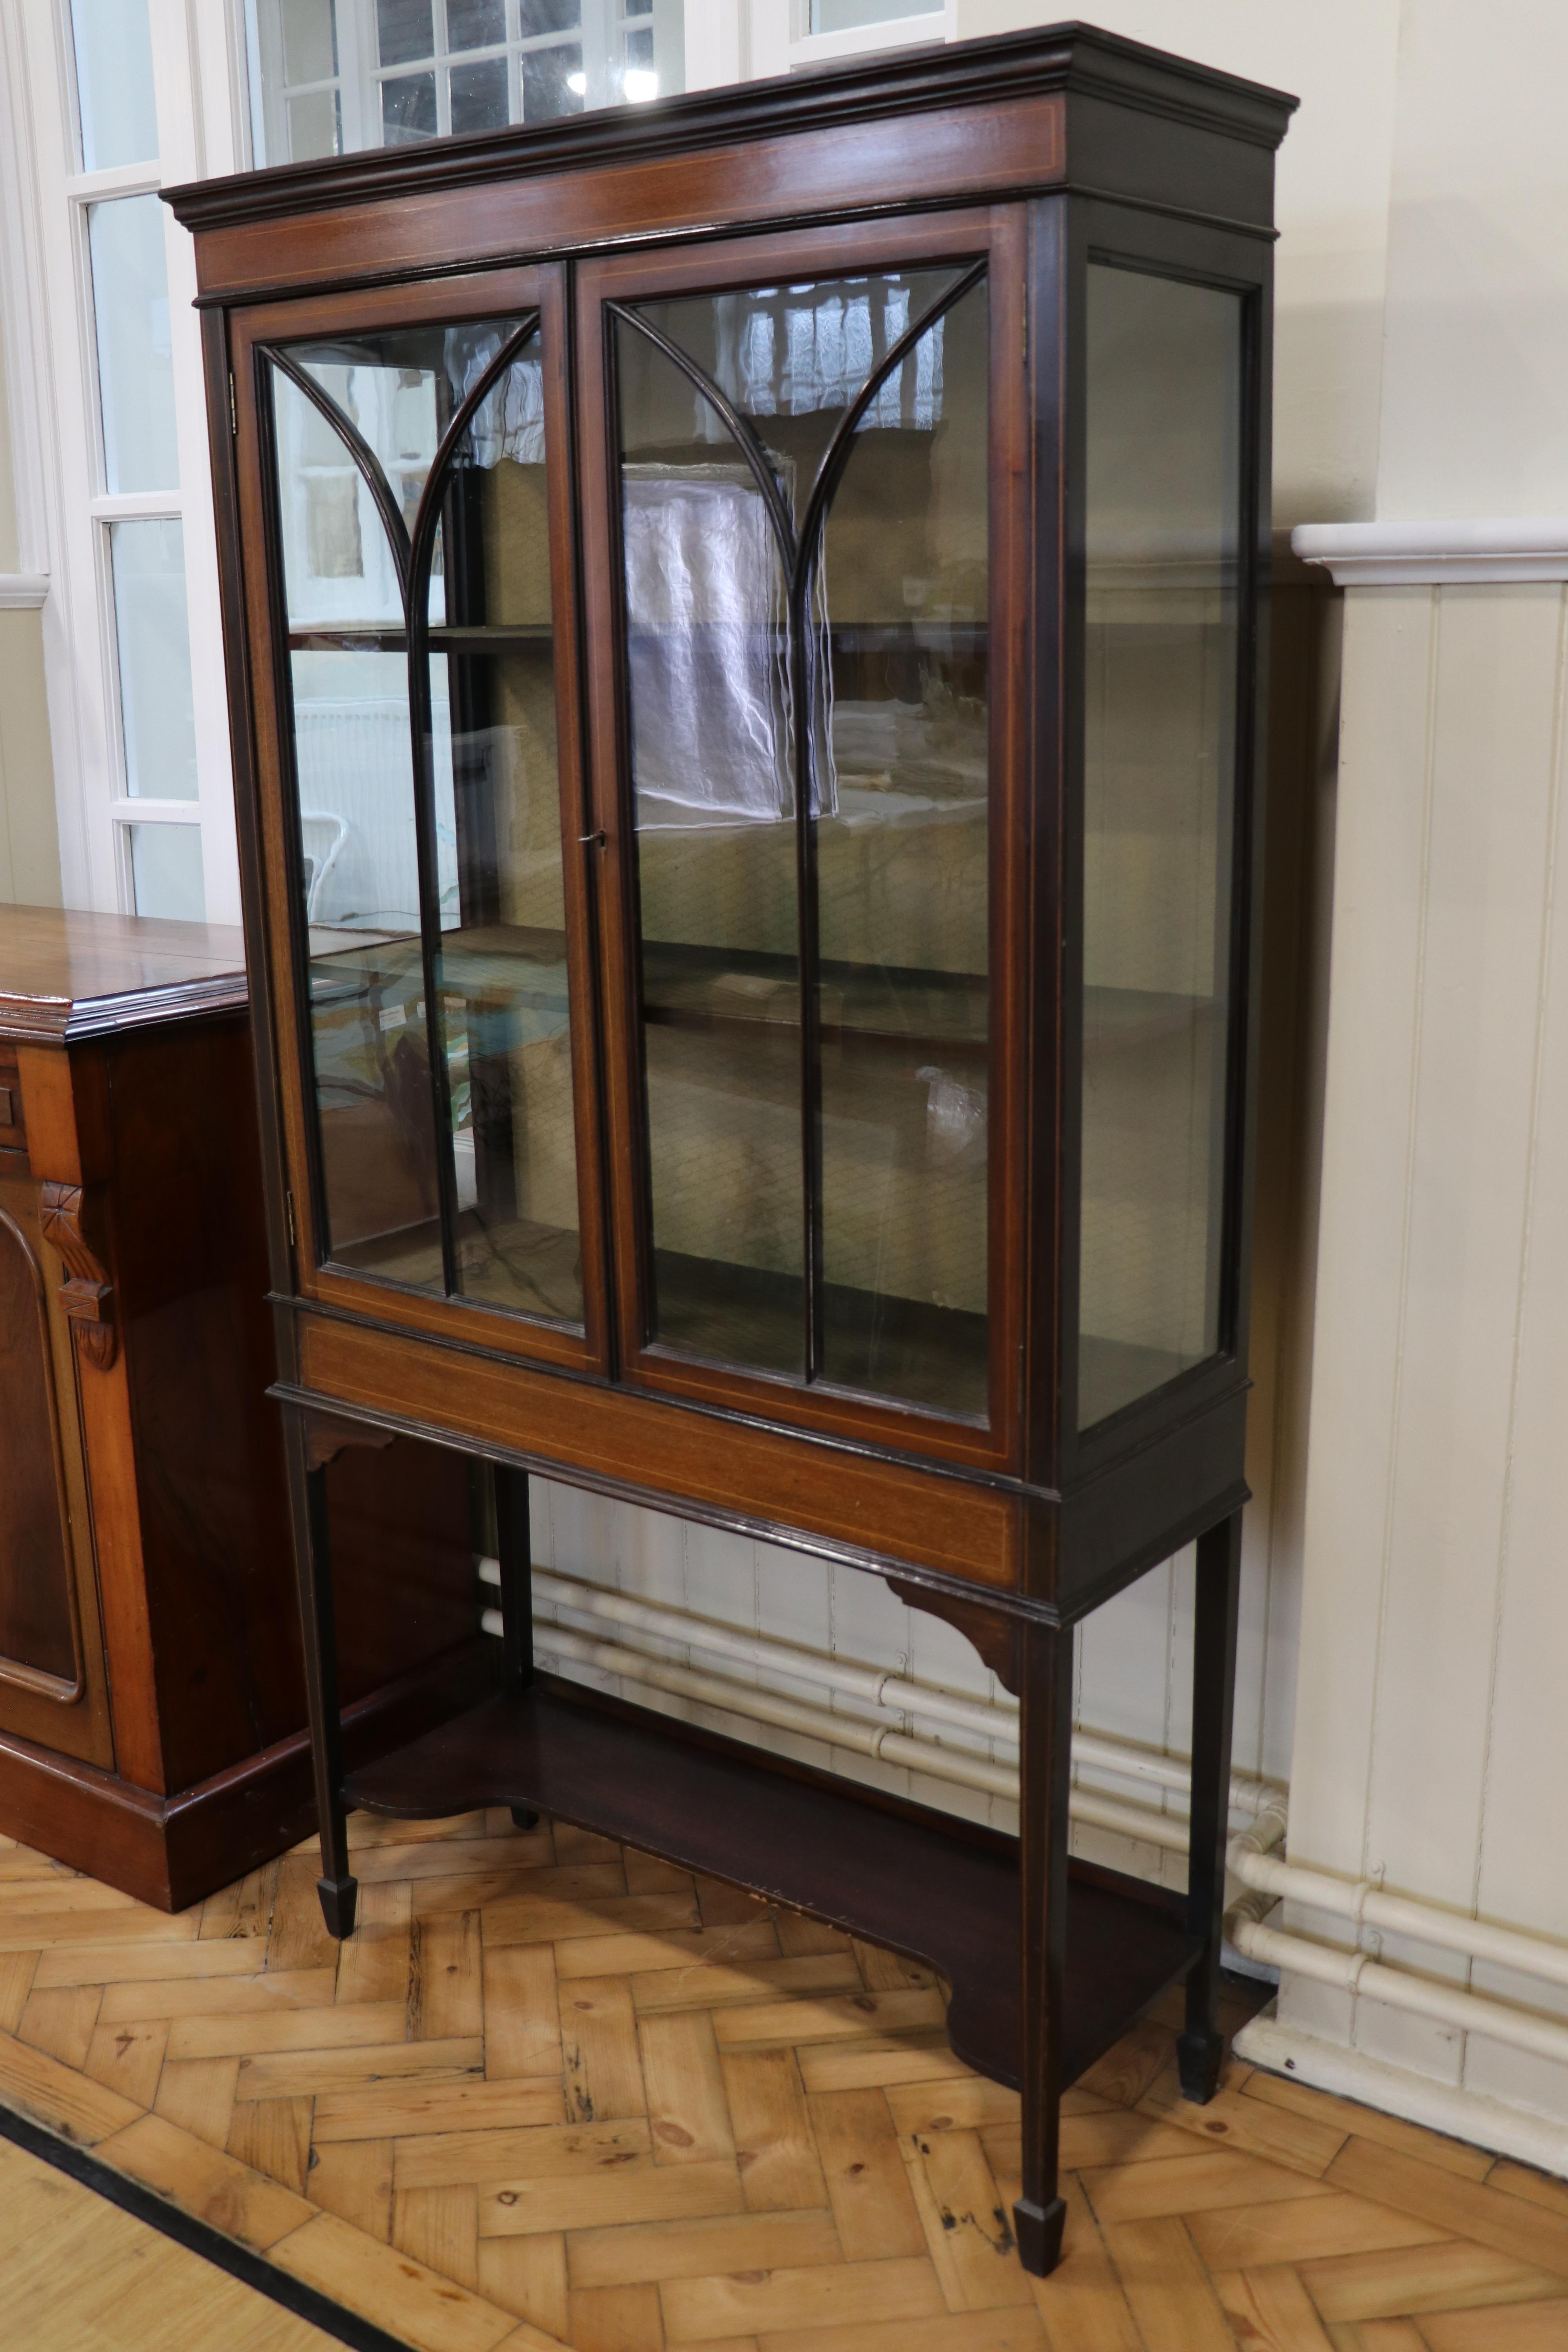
x: 1431, y: 1744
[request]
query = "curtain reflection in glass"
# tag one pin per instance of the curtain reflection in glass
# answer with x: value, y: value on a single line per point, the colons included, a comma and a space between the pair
x: 1163, y: 489
x: 740, y: 631
x: 714, y: 804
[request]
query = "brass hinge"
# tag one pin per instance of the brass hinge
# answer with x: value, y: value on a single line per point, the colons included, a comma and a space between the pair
x: 233, y: 412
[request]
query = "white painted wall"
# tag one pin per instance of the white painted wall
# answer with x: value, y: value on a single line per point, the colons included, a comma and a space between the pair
x: 1432, y: 1745
x: 1338, y: 56
x: 1474, y: 416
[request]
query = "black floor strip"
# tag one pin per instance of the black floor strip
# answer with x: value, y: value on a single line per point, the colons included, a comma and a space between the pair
x: 198, y: 2237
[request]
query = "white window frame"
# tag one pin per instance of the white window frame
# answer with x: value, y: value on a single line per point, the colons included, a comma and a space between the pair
x: 781, y: 39
x: 604, y: 26
x: 52, y: 364
x: 202, y: 81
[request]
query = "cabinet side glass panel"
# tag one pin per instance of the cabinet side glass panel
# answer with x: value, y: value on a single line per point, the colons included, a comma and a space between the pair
x: 1164, y: 494
x: 372, y: 537
x: 902, y: 883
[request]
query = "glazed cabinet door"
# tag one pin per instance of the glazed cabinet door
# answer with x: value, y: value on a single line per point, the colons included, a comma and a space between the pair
x: 803, y: 537
x: 51, y: 1662
x: 413, y: 609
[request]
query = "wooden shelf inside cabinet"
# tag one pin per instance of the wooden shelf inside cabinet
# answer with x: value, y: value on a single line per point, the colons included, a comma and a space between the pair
x: 809, y: 1843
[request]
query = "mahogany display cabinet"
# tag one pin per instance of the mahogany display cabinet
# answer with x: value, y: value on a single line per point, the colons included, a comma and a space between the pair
x: 745, y: 636
x: 152, y: 1711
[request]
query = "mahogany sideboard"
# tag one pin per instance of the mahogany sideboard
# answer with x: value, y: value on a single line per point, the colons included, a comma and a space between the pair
x: 152, y: 1691
x: 745, y: 620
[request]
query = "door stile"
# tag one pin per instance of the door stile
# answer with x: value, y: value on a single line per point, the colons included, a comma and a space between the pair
x: 612, y: 835
x: 582, y: 843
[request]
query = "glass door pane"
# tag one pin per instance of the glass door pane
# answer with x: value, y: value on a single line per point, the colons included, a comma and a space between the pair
x: 712, y: 777
x: 417, y: 576
x: 1164, y: 506
x: 804, y: 508
x: 902, y: 859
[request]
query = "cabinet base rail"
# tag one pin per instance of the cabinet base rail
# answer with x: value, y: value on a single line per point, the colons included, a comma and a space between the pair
x: 915, y: 1881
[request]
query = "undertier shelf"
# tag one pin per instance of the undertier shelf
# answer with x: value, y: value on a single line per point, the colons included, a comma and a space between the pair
x: 911, y: 1880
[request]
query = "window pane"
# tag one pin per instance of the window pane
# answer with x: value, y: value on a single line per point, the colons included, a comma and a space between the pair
x: 404, y: 31
x: 309, y: 40
x: 552, y: 83
x: 166, y: 871
x: 151, y: 622
x: 314, y: 126
x: 115, y: 83
x: 408, y: 109
x: 1164, y: 494
x: 135, y: 368
x: 844, y: 16
x: 475, y: 23
x: 400, y: 70
x: 478, y: 95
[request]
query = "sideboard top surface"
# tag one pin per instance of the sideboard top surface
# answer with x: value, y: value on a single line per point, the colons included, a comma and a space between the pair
x: 67, y: 975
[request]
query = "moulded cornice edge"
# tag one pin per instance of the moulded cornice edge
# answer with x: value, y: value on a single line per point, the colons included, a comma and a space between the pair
x: 1437, y: 555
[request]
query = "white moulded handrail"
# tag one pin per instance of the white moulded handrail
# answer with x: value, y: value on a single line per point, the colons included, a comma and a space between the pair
x: 1466, y: 551
x: 993, y: 1721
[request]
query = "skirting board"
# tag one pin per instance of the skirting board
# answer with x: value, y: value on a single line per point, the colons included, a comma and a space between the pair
x: 170, y: 1852
x: 1396, y: 2090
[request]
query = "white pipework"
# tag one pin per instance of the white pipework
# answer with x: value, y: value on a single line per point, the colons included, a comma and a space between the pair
x: 1266, y: 1879
x: 1363, y: 1903
x: 992, y: 1721
x: 883, y: 1742
x: 1358, y: 1973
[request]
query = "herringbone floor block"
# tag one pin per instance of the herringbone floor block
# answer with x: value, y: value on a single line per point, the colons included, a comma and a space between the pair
x: 553, y: 2091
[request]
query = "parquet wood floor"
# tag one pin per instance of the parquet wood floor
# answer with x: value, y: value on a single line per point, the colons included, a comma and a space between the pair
x: 556, y: 2092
